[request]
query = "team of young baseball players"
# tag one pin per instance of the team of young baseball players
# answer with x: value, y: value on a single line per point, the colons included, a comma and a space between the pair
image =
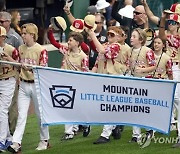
x: 114, y: 57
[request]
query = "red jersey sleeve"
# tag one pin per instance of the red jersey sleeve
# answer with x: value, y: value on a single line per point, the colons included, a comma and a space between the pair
x: 15, y: 55
x: 85, y: 48
x: 43, y: 60
x: 112, y: 51
x: 150, y: 58
x: 52, y: 40
x: 63, y: 49
x: 92, y: 45
x: 169, y: 67
x: 85, y: 64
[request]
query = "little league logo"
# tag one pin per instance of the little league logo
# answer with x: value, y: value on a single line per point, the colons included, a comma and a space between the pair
x: 62, y: 96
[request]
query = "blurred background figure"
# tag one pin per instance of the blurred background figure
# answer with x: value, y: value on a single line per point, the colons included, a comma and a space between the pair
x: 101, y: 6
x: 127, y: 10
x: 15, y: 21
x: 13, y: 38
x: 2, y: 5
x: 92, y: 10
x: 109, y: 20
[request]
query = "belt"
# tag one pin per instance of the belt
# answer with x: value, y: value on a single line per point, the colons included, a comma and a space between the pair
x: 175, y: 63
x: 28, y: 81
x: 4, y: 79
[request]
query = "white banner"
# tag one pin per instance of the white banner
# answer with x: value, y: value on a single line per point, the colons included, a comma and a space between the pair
x: 69, y: 97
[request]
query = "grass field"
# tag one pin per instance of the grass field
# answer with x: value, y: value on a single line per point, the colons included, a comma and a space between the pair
x: 81, y: 145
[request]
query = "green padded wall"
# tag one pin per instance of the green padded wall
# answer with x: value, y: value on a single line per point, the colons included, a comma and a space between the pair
x: 54, y: 59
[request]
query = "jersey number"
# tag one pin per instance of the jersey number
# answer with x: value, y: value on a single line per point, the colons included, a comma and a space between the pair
x: 5, y: 70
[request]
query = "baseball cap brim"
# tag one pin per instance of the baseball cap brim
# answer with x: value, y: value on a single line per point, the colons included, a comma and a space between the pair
x: 58, y: 23
x: 93, y: 28
x: 168, y: 11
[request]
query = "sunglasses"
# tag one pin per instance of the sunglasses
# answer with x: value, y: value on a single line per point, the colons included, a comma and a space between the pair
x: 110, y: 34
x: 96, y: 22
x: 2, y: 21
x: 137, y: 13
x: 172, y: 22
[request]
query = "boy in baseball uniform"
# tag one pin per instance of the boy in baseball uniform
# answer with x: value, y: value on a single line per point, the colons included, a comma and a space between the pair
x: 7, y: 86
x: 111, y: 60
x: 172, y: 38
x: 142, y: 63
x: 34, y: 54
x: 73, y: 59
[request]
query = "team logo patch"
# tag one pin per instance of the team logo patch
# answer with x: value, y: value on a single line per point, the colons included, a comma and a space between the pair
x: 62, y: 96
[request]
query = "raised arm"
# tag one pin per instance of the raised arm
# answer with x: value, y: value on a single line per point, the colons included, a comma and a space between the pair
x: 121, y: 19
x: 52, y: 40
x: 149, y: 13
x: 99, y: 46
x: 162, y: 34
x: 62, y: 48
x: 69, y: 14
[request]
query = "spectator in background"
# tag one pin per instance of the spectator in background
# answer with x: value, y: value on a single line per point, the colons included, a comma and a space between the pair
x: 139, y: 17
x: 128, y: 9
x: 16, y: 18
x: 2, y: 5
x: 109, y: 20
x: 13, y: 38
x: 101, y: 6
x: 92, y: 10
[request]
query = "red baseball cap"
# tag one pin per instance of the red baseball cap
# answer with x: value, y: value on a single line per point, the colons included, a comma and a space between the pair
x: 175, y: 8
x: 77, y: 26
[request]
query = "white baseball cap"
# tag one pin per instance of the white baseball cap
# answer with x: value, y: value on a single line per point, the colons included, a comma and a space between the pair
x: 102, y: 4
x: 58, y: 23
